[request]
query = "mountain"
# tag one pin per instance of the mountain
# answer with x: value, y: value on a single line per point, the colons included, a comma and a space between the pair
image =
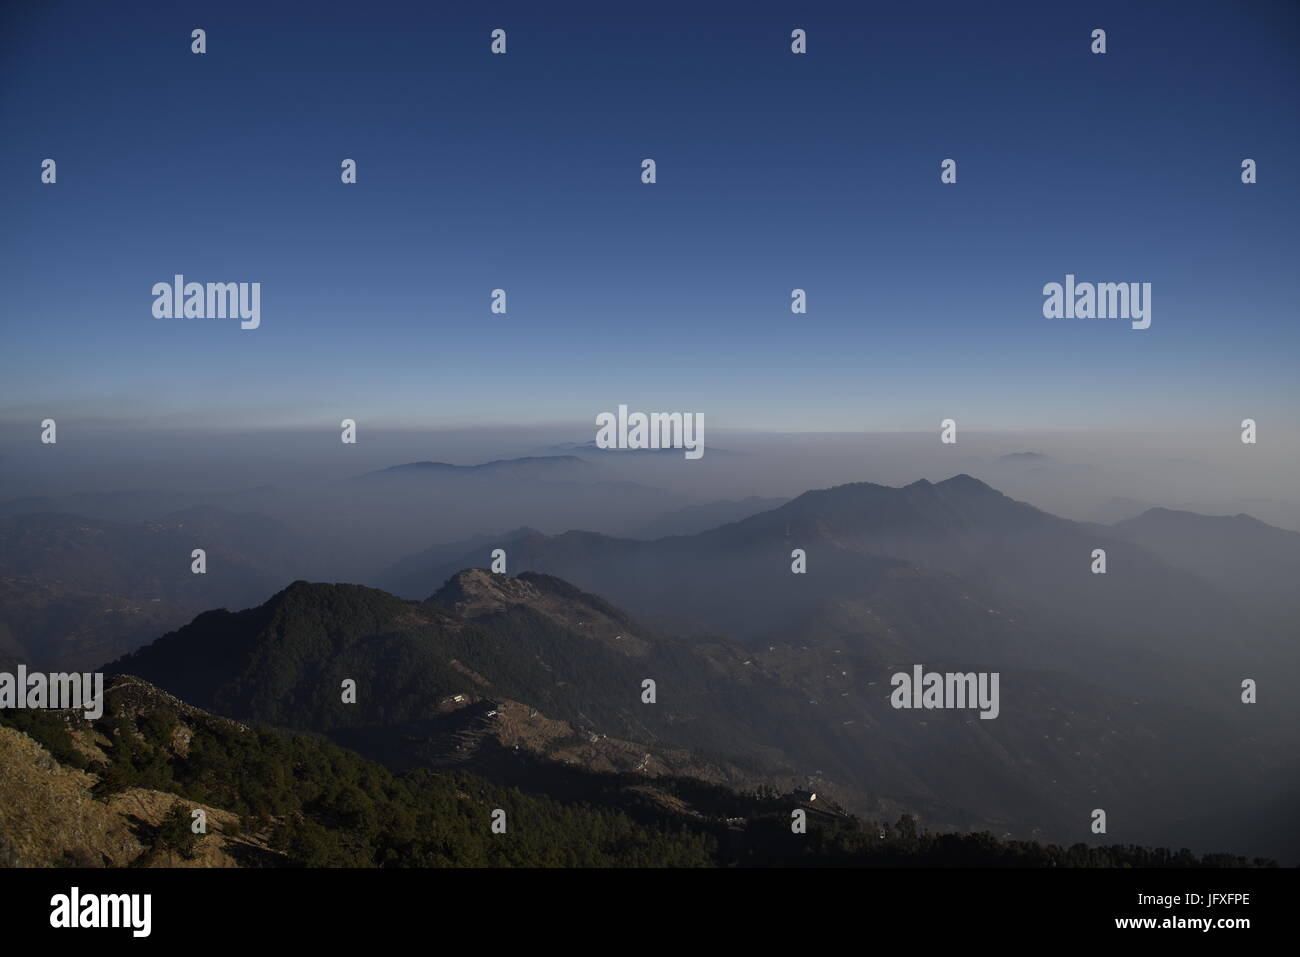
x: 538, y: 466
x: 425, y: 669
x: 1257, y: 563
x: 78, y: 590
x: 531, y: 682
x: 120, y: 791
x: 1121, y: 688
x: 915, y: 550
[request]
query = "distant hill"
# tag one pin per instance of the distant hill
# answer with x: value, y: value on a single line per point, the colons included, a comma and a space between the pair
x: 1257, y: 563
x: 76, y: 592
x: 1025, y: 458
x: 537, y: 466
x: 395, y: 507
x: 902, y: 545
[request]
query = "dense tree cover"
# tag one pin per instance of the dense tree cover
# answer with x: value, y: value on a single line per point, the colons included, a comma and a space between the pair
x: 325, y: 806
x: 329, y: 807
x: 283, y: 663
x: 905, y: 845
x: 46, y: 728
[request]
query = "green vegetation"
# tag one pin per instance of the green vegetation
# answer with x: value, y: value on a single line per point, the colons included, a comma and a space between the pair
x: 325, y: 806
x: 904, y: 845
x: 331, y: 808
x: 176, y: 832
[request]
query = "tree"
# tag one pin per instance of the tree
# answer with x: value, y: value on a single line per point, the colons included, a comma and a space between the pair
x: 175, y: 832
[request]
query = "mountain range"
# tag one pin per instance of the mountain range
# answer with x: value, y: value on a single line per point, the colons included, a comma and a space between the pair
x: 1119, y: 690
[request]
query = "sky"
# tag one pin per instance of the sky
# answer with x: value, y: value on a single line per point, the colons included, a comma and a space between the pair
x: 775, y: 171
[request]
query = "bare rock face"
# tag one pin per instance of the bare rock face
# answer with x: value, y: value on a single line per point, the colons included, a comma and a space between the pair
x: 477, y: 594
x: 476, y: 591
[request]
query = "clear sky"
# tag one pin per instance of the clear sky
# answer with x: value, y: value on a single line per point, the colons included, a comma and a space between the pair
x: 775, y: 171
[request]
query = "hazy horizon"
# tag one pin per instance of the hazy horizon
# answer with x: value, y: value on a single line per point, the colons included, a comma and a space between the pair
x: 1079, y: 471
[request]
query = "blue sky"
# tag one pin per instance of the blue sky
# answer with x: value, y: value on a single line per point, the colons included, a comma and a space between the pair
x: 775, y: 171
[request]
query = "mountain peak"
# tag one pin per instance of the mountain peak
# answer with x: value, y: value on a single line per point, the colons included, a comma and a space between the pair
x: 476, y: 591
x: 966, y: 483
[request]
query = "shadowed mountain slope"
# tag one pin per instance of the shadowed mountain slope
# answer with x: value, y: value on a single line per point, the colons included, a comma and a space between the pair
x: 514, y: 677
